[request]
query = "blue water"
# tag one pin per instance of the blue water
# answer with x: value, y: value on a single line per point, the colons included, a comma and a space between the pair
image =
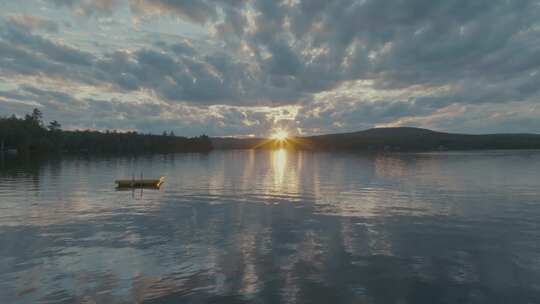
x: 273, y: 227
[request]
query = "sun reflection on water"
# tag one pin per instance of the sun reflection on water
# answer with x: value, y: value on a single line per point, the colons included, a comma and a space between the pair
x: 279, y: 165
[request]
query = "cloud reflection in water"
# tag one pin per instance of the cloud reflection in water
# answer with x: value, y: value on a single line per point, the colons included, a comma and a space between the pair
x: 274, y: 226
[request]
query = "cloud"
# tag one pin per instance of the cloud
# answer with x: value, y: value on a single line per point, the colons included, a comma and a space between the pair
x: 89, y: 7
x: 176, y: 73
x: 194, y: 11
x: 21, y: 38
x: 513, y: 117
x: 143, y: 115
x: 34, y: 23
x: 212, y: 79
x: 345, y: 64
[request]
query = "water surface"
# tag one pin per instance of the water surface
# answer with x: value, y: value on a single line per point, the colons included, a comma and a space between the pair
x: 273, y: 227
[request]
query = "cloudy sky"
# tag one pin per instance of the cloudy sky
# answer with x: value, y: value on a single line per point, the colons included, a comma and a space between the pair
x: 245, y: 67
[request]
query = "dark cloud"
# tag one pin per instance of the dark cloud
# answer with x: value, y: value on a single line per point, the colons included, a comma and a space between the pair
x: 24, y: 39
x: 397, y: 43
x: 16, y: 61
x: 176, y: 73
x: 176, y: 78
x: 183, y: 48
x: 315, y: 45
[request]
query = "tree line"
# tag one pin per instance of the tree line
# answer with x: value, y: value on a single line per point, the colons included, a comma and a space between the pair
x: 30, y: 135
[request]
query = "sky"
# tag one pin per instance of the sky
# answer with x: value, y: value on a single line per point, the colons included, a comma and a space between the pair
x: 248, y: 67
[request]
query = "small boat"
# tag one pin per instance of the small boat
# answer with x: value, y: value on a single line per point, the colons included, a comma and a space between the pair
x: 140, y: 183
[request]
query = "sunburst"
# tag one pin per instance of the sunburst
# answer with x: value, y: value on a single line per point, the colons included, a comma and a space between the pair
x: 280, y: 135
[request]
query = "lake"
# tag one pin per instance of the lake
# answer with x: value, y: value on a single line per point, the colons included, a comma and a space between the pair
x: 273, y: 227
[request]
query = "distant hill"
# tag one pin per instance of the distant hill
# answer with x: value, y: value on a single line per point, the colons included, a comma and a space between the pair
x: 395, y: 139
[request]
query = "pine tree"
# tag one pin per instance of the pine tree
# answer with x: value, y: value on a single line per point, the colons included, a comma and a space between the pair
x: 54, y: 126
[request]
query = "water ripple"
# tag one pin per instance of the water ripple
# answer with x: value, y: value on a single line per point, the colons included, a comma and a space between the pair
x: 270, y: 227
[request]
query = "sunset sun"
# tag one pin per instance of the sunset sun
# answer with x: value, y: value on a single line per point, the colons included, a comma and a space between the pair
x: 280, y: 135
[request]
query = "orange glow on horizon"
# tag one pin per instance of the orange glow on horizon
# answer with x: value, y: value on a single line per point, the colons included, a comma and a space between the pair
x: 281, y: 139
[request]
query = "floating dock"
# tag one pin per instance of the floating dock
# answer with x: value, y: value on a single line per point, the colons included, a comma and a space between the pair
x: 140, y: 183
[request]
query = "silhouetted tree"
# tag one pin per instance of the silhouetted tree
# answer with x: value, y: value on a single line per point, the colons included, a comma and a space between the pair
x: 54, y: 126
x: 35, y: 117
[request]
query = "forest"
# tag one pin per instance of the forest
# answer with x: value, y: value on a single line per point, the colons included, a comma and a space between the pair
x: 31, y: 135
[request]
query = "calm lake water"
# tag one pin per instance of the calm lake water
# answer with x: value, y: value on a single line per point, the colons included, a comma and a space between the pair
x: 274, y: 227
